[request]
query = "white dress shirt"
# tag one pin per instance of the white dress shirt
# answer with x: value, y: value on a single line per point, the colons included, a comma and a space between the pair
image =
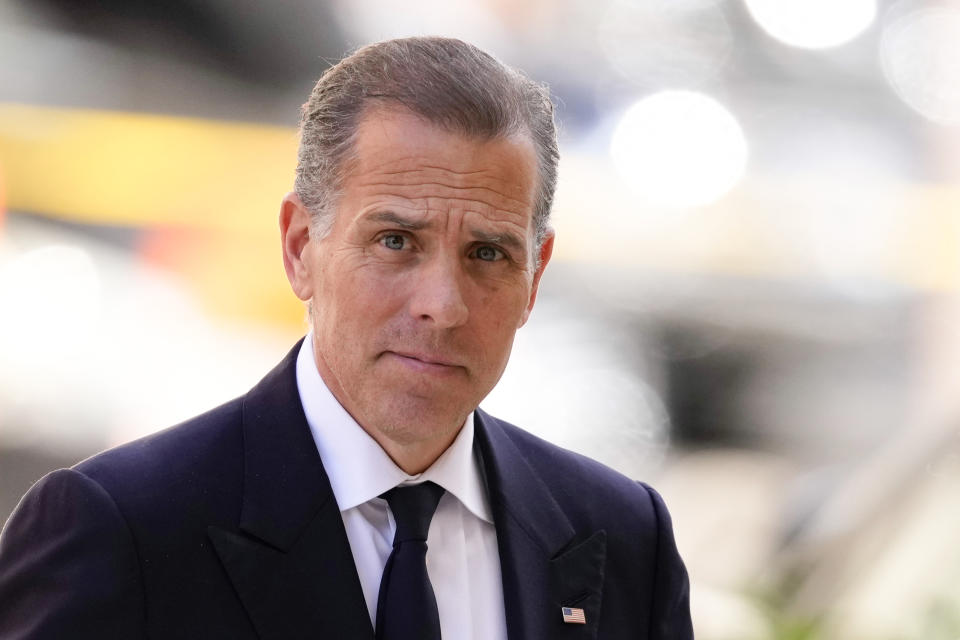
x: 462, y: 558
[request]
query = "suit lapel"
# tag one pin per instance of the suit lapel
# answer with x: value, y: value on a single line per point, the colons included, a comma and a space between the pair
x: 290, y: 561
x: 545, y: 563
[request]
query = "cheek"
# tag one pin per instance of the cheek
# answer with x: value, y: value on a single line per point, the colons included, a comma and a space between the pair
x: 508, y: 304
x: 369, y: 305
x: 497, y: 320
x: 347, y: 280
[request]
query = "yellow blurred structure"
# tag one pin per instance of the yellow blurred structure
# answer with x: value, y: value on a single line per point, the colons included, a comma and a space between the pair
x: 113, y: 168
x: 204, y: 193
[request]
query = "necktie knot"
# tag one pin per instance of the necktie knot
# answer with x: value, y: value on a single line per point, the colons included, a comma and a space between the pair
x: 413, y: 508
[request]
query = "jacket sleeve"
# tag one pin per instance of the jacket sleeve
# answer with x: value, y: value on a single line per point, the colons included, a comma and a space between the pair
x: 670, y: 610
x: 68, y: 566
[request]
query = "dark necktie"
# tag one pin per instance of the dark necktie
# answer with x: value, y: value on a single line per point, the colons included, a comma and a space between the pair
x: 407, y: 608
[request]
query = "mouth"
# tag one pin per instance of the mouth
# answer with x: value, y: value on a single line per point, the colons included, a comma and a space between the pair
x: 424, y: 363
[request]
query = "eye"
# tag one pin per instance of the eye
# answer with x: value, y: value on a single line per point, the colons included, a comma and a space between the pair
x: 394, y: 241
x: 488, y: 253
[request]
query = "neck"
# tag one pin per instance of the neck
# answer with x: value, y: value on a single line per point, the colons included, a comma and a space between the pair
x: 413, y: 457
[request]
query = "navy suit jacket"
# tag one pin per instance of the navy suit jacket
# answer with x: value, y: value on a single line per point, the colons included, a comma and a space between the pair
x: 226, y: 527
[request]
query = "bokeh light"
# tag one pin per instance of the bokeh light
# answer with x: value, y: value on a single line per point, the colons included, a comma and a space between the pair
x: 654, y: 43
x: 51, y: 297
x: 679, y: 149
x: 373, y: 20
x: 920, y: 55
x: 813, y: 24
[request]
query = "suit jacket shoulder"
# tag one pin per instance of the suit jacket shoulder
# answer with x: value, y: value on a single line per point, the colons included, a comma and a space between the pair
x: 95, y: 550
x: 194, y: 467
x: 119, y: 545
x: 590, y: 492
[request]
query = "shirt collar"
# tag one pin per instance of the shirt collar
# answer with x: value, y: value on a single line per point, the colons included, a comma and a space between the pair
x: 359, y: 469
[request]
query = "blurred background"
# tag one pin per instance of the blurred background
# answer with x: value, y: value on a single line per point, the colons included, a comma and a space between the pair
x: 753, y: 302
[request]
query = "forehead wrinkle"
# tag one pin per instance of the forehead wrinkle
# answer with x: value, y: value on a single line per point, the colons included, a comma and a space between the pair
x: 425, y: 167
x: 462, y: 190
x: 494, y: 216
x: 490, y: 177
x: 470, y: 210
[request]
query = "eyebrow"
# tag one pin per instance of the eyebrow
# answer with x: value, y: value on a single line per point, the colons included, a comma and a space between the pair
x: 404, y: 223
x: 508, y: 240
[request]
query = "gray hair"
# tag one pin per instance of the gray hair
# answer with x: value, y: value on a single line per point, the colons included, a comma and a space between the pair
x: 449, y: 83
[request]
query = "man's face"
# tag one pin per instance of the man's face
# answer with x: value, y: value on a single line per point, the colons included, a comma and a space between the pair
x: 424, y: 278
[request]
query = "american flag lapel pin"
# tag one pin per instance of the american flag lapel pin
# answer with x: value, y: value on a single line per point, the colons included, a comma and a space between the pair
x: 572, y: 615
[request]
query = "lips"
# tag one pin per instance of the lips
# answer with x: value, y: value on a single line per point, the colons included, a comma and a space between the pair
x: 424, y: 362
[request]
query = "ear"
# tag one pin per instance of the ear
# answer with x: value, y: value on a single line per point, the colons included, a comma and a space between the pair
x: 295, y: 241
x: 546, y: 251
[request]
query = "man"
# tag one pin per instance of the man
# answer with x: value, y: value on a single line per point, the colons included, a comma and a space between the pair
x: 418, y: 233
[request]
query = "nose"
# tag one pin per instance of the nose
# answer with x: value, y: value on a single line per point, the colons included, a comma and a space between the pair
x: 438, y: 296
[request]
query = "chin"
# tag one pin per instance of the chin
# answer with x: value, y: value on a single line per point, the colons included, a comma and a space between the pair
x: 413, y: 418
